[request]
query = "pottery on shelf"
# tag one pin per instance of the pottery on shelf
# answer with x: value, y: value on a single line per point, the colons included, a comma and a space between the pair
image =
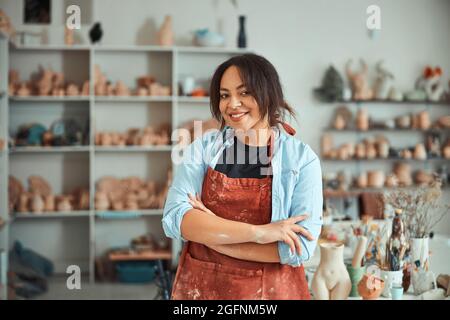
x: 419, y: 152
x: 207, y: 38
x: 360, y: 86
x: 375, y: 178
x: 165, y: 34
x: 362, y: 120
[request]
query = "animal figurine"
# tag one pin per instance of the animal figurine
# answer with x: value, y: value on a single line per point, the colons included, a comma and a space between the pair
x: 359, y: 83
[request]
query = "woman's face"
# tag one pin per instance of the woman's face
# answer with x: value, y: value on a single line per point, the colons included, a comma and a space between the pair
x: 237, y: 106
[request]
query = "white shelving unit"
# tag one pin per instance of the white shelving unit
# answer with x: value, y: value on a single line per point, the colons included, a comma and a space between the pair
x: 80, y: 237
x: 4, y: 235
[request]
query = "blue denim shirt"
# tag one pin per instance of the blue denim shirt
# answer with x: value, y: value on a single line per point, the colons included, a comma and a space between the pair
x: 296, y: 186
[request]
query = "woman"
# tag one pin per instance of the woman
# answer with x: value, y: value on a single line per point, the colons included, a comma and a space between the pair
x: 247, y: 200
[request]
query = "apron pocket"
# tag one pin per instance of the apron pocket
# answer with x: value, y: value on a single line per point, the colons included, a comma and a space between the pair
x: 203, y: 280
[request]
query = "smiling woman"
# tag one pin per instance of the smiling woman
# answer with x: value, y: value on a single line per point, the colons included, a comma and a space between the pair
x: 250, y: 209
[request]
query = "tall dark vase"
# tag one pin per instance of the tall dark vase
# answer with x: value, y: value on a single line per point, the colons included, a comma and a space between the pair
x: 242, y: 38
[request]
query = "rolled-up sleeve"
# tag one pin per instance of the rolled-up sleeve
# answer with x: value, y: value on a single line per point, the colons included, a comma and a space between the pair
x: 307, y: 198
x: 188, y: 179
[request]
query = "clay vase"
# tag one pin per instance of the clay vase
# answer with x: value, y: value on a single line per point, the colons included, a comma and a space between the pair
x: 370, y: 287
x: 362, y: 120
x: 424, y: 120
x: 361, y: 181
x: 376, y: 178
x: 49, y: 203
x: 331, y: 273
x: 419, y: 152
x: 391, y: 181
x: 383, y: 149
x: 37, y: 204
x: 327, y: 145
x: 360, y: 151
x: 371, y: 151
x: 165, y: 34
x: 339, y: 122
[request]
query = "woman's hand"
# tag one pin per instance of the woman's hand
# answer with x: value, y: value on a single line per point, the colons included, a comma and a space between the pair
x: 197, y: 203
x: 284, y: 230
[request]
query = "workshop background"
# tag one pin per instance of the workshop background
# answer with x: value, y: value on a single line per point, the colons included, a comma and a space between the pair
x: 87, y: 115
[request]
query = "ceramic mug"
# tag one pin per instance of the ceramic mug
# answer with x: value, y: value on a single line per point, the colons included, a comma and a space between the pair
x: 397, y: 292
x: 390, y: 278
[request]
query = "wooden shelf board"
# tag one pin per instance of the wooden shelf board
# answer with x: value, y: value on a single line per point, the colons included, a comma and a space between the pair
x: 49, y: 98
x: 133, y: 98
x: 133, y: 148
x: 143, y: 256
x: 38, y: 149
x: 55, y: 214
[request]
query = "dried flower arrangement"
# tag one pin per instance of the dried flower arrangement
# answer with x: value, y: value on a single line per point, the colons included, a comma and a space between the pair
x: 421, y: 210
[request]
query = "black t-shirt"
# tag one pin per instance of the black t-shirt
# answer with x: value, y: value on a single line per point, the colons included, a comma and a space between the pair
x: 244, y: 161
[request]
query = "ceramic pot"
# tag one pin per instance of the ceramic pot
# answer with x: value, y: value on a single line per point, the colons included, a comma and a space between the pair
x: 356, y: 275
x: 370, y: 287
x: 419, y: 252
x: 423, y: 281
x: 391, y: 278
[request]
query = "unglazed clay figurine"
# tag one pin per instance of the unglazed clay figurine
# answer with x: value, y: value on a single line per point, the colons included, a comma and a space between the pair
x: 44, y: 84
x: 49, y: 203
x: 362, y: 120
x: 24, y: 90
x: 37, y: 203
x: 424, y: 120
x: 68, y: 37
x: 38, y: 185
x: 403, y: 173
x: 331, y: 280
x: 165, y: 34
x: 23, y: 203
x: 360, y: 151
x: 359, y: 83
x: 424, y: 178
x: 419, y: 152
x: 121, y: 89
x: 72, y: 90
x: 85, y: 89
x: 361, y: 181
x: 446, y: 150
x: 391, y: 181
x: 101, y: 201
x: 15, y: 190
x: 375, y: 178
x: 326, y: 145
x: 63, y: 204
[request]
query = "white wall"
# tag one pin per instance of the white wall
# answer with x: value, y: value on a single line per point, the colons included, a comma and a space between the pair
x: 300, y: 37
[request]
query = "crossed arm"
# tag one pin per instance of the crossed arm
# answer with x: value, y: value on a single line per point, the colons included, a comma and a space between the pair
x: 241, y: 240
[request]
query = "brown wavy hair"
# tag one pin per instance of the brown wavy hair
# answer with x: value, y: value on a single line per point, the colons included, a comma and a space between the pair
x: 262, y: 82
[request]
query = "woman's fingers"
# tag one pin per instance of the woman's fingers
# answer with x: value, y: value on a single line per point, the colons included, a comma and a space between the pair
x: 298, y: 218
x: 299, y: 229
x: 290, y: 242
x: 297, y: 242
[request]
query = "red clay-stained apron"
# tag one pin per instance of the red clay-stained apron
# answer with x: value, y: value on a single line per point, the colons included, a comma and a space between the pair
x: 205, y: 274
